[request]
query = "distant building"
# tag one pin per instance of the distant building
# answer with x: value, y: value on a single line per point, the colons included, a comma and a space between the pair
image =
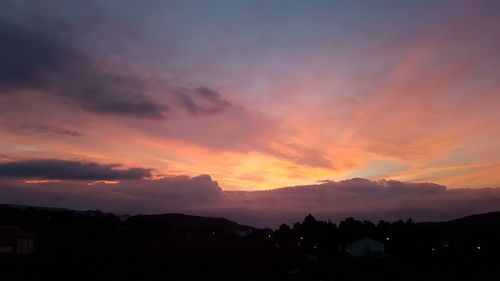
x: 365, y: 247
x: 14, y: 240
x: 243, y: 231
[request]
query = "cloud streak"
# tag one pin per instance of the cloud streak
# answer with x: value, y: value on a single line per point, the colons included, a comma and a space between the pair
x: 37, y: 128
x: 69, y: 170
x: 202, y: 101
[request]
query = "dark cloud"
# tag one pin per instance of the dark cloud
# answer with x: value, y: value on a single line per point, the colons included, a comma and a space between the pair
x: 172, y: 194
x: 202, y: 101
x: 211, y: 96
x: 40, y: 55
x: 69, y: 170
x: 181, y: 192
x: 35, y: 128
x: 28, y: 55
x: 115, y: 94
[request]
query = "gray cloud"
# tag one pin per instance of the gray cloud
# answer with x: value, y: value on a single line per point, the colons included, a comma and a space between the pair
x: 36, y: 128
x: 69, y: 170
x: 172, y: 194
x: 211, y: 96
x: 202, y: 101
x: 41, y: 55
x: 29, y: 54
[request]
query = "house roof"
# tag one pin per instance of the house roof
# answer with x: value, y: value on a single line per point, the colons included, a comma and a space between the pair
x: 14, y: 231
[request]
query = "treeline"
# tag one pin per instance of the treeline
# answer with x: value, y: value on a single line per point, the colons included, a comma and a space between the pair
x: 401, y: 238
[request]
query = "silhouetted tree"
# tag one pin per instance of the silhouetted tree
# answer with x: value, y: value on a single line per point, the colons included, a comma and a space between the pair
x: 283, y: 235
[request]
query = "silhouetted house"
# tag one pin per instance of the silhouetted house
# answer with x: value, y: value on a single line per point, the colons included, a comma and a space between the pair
x: 365, y: 246
x: 14, y: 240
x: 243, y: 231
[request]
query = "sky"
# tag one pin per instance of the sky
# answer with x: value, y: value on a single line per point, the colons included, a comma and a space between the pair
x: 212, y: 107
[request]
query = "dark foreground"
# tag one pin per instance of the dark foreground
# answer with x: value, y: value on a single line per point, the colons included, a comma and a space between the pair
x: 240, y: 266
x: 98, y: 246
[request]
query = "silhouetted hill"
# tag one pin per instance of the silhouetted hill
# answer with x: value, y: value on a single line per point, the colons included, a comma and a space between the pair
x: 469, y: 226
x: 473, y: 223
x: 471, y: 235
x: 29, y: 216
x: 479, y: 222
x: 486, y: 221
x: 176, y: 221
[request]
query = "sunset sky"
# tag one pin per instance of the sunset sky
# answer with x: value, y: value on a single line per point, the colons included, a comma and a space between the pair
x: 256, y: 94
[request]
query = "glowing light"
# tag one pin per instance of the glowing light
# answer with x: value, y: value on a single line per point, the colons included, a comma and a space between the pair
x: 39, y: 181
x: 103, y: 182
